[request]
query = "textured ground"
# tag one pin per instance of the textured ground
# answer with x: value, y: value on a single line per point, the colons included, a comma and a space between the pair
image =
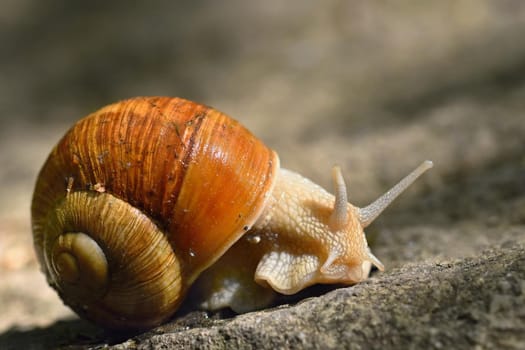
x: 372, y: 86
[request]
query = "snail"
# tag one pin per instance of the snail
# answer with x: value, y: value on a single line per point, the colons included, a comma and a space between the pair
x: 150, y: 196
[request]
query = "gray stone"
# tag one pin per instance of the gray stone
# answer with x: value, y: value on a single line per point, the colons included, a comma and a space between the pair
x: 476, y: 302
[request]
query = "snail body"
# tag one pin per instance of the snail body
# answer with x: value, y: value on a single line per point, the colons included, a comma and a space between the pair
x: 142, y: 197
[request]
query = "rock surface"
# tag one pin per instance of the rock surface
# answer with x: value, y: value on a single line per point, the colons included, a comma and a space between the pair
x: 476, y: 302
x: 376, y: 87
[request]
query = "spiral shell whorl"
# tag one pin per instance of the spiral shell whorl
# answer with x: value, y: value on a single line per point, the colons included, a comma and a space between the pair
x: 104, y: 265
x: 79, y: 262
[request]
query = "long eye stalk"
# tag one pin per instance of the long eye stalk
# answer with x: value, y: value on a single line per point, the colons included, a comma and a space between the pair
x: 369, y: 213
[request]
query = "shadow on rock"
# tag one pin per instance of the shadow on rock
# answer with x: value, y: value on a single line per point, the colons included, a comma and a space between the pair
x: 60, y: 334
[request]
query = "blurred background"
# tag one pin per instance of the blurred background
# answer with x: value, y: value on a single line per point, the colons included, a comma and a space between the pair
x: 374, y: 86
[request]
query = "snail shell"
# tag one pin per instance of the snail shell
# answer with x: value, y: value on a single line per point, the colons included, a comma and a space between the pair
x: 142, y: 197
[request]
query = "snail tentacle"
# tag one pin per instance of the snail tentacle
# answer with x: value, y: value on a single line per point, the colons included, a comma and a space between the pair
x: 369, y: 213
x: 339, y: 217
